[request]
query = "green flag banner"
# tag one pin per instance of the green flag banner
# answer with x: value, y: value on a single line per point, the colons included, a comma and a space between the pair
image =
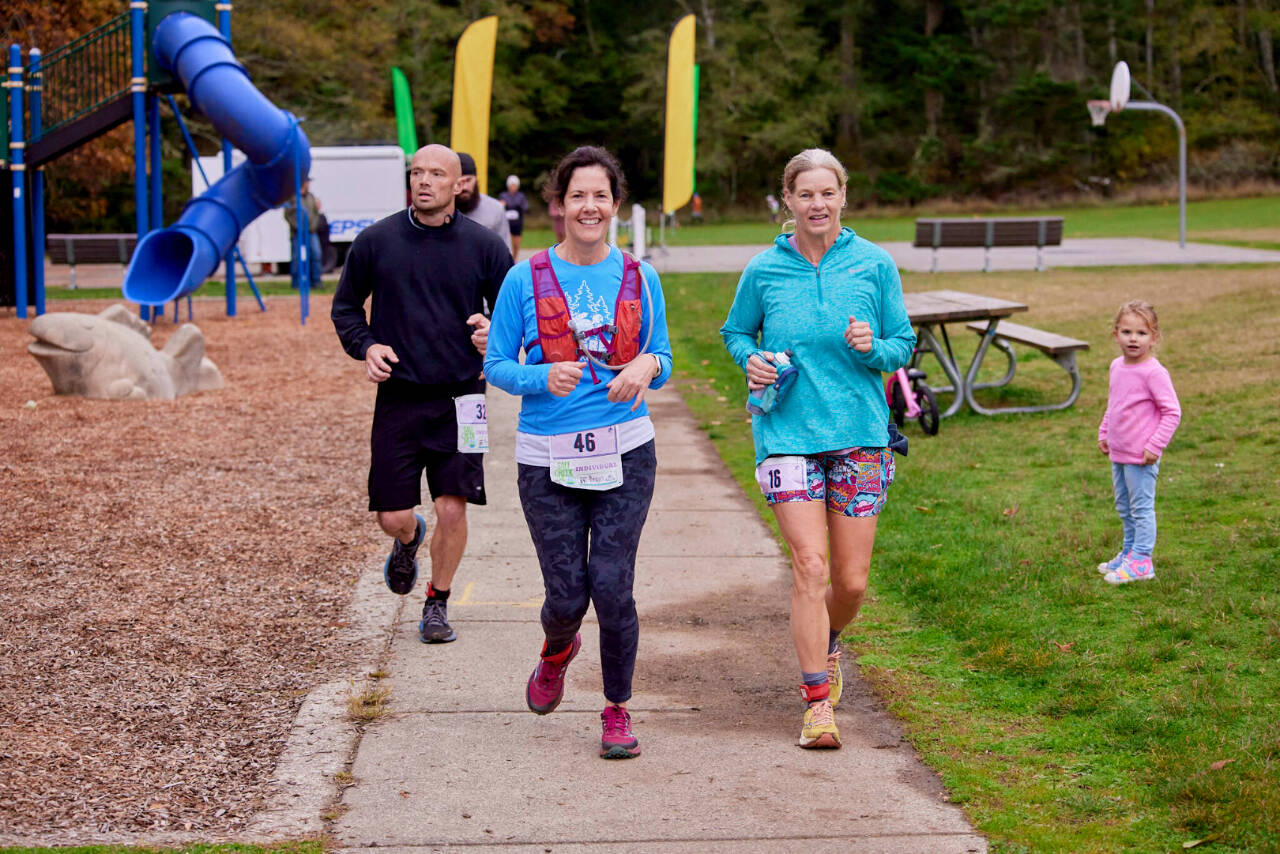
x: 406, y: 133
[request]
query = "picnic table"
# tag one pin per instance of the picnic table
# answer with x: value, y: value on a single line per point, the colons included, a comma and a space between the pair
x: 931, y: 311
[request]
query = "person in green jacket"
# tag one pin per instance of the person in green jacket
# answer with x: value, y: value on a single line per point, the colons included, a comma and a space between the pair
x: 834, y: 300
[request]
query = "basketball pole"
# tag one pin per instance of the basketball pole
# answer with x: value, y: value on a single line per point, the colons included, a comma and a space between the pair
x: 1154, y: 107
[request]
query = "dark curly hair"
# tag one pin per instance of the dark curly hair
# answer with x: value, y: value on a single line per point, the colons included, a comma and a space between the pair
x: 581, y: 157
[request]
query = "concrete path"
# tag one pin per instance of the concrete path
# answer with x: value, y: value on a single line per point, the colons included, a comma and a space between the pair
x: 1082, y: 252
x: 459, y: 764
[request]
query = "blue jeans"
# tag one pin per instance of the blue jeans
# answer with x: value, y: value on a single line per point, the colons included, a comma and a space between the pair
x: 1135, y: 488
x: 314, y: 260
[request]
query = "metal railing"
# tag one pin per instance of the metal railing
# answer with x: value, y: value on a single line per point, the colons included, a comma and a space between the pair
x: 85, y: 74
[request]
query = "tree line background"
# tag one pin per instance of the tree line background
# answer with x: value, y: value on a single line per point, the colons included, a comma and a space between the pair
x: 922, y: 99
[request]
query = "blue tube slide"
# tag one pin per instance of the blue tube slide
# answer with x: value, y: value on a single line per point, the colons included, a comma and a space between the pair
x: 173, y: 262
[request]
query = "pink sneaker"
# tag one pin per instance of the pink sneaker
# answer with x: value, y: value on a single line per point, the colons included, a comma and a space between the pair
x: 618, y: 741
x: 546, y: 683
x: 1135, y: 567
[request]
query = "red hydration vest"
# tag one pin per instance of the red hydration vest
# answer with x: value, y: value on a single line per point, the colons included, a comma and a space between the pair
x: 552, y: 310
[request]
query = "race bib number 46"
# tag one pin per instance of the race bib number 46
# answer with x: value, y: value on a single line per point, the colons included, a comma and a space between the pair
x: 473, y: 424
x: 587, y: 459
x: 781, y: 474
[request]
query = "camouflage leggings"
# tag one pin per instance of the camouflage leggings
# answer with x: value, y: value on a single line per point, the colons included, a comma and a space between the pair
x: 562, y: 522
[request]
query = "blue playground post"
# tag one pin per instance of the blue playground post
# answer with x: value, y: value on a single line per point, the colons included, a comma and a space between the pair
x: 18, y: 171
x: 224, y: 27
x: 138, y: 86
x: 301, y: 275
x: 36, y: 75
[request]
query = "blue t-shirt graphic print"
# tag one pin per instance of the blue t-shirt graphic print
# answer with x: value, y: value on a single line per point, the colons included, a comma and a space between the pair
x: 588, y: 311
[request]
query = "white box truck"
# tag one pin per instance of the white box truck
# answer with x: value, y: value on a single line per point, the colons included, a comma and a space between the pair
x: 357, y: 185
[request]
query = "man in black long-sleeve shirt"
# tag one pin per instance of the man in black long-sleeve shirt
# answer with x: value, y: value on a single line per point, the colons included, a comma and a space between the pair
x: 430, y: 272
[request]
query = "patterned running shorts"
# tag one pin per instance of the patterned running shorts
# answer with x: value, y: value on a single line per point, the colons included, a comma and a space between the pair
x: 854, y: 482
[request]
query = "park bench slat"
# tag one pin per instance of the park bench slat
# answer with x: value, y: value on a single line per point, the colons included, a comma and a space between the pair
x: 91, y: 248
x: 1047, y: 342
x: 988, y: 232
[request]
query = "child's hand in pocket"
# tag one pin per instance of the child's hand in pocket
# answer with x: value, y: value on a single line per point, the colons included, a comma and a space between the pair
x: 1148, y: 458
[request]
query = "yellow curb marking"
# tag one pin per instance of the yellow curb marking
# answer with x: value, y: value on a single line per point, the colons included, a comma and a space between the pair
x: 465, y: 600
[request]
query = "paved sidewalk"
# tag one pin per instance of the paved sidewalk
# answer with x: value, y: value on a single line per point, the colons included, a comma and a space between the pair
x: 1081, y: 252
x: 459, y: 764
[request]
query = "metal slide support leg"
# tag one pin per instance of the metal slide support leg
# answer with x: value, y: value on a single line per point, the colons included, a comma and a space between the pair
x: 229, y: 267
x: 18, y: 174
x: 138, y: 90
x: 929, y: 342
x: 35, y: 103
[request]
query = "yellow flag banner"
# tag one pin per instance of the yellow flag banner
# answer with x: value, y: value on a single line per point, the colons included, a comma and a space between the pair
x: 472, y: 88
x: 677, y: 162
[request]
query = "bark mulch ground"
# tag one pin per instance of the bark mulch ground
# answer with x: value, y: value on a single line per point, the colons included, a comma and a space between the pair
x: 174, y: 576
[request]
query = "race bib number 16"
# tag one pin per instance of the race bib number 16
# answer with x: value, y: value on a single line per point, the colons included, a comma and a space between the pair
x: 781, y: 474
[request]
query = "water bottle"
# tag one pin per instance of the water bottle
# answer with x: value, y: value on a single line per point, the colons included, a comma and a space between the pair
x: 763, y: 401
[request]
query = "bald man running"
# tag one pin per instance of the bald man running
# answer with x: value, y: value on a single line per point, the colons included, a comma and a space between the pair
x: 430, y: 272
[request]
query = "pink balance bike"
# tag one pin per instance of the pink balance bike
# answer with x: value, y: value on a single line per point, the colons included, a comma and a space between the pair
x: 910, y: 397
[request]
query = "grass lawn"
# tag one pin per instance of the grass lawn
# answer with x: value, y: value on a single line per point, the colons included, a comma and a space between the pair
x: 1242, y: 222
x: 1062, y: 713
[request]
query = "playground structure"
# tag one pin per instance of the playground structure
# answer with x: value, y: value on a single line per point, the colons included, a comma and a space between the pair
x: 119, y: 72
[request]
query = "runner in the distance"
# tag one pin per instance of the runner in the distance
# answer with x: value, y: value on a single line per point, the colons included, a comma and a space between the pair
x: 430, y: 272
x: 835, y: 301
x: 584, y: 444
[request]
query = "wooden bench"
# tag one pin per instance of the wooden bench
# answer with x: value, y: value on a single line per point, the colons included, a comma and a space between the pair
x: 72, y: 249
x: 1039, y: 232
x: 1060, y: 348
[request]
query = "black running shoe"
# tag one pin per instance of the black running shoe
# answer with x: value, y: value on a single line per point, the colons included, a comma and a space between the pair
x: 401, y: 569
x: 434, y: 626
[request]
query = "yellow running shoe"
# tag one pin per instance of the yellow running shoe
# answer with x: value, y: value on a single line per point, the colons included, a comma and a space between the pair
x: 820, y: 728
x: 834, y: 677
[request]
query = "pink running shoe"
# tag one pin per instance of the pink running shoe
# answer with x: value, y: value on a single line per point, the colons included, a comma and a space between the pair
x: 1135, y: 567
x: 546, y: 683
x: 618, y: 741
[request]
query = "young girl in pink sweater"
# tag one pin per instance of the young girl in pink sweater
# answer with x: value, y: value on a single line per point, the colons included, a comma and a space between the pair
x: 1142, y: 413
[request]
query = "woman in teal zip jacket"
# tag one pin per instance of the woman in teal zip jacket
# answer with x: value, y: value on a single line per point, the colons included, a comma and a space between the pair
x: 834, y: 300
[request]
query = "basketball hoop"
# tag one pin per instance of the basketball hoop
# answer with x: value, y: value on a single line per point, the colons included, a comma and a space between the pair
x: 1098, y: 112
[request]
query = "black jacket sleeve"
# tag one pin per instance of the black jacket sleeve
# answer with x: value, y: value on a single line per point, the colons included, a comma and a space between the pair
x: 353, y: 290
x: 499, y: 263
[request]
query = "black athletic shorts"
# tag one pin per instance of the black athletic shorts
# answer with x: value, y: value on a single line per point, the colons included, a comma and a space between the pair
x: 515, y: 226
x: 415, y: 428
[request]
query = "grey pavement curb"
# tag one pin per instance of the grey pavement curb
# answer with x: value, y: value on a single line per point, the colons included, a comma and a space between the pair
x: 323, y: 741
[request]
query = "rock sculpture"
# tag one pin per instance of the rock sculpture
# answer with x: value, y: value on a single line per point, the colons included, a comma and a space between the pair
x: 109, y: 355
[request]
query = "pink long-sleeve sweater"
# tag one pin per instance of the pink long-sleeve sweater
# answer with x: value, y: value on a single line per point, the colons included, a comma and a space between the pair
x: 1142, y: 410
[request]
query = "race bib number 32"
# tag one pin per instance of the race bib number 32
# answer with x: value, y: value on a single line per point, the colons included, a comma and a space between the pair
x: 587, y: 459
x: 473, y: 425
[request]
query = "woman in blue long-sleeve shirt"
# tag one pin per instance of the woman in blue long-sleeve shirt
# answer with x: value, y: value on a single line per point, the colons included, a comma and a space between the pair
x: 834, y: 300
x: 584, y: 442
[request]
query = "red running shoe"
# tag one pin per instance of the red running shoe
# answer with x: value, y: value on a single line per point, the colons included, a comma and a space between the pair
x: 618, y: 741
x: 546, y: 683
